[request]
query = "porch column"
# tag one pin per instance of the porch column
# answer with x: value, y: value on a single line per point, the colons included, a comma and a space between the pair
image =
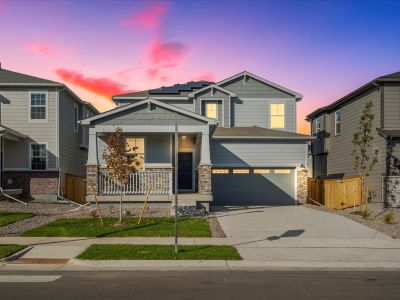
x: 92, y: 166
x: 302, y: 184
x: 204, y: 167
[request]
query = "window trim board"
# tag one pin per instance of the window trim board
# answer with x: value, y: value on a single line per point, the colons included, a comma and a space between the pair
x: 45, y: 120
x: 30, y: 156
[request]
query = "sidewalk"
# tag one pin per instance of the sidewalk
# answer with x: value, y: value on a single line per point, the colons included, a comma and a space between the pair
x: 283, y: 253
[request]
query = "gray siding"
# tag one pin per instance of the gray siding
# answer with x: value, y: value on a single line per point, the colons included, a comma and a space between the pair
x: 140, y: 115
x: 391, y: 92
x: 72, y: 157
x: 16, y: 116
x: 223, y: 105
x: 258, y: 153
x: 157, y: 148
x: 339, y: 160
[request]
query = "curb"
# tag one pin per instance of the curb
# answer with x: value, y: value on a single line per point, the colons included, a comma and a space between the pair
x: 180, y: 265
x: 16, y: 255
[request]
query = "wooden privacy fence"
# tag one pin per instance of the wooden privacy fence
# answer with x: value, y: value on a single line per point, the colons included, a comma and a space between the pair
x: 335, y: 193
x: 75, y: 188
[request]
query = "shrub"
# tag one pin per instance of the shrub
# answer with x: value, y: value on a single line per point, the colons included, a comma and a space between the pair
x: 365, y: 213
x: 389, y: 217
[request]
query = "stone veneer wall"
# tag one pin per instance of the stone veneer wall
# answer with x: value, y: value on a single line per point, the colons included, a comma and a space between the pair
x: 302, y: 186
x: 31, y: 182
x: 204, y: 180
x: 92, y: 173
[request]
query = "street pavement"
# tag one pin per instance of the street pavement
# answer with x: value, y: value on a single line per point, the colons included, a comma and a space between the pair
x: 199, y: 285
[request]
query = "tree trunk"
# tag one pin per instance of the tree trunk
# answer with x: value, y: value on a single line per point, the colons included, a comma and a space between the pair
x: 120, y: 207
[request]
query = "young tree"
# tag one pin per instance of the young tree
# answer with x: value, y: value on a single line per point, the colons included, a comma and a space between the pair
x: 362, y: 141
x: 120, y: 161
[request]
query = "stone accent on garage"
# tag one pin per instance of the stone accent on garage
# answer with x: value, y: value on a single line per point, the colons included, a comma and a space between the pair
x: 33, y: 183
x: 204, y: 180
x: 92, y: 180
x: 302, y: 187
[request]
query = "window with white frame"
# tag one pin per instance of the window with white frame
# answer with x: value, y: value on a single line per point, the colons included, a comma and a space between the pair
x: 38, y: 157
x: 76, y: 117
x: 211, y: 110
x: 277, y: 115
x: 338, y: 121
x: 38, y: 103
x: 317, y: 126
x: 136, y: 146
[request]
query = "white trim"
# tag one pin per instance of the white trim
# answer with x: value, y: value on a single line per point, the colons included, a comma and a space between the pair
x: 47, y: 156
x: 45, y: 120
x: 267, y: 82
x: 193, y: 151
x: 155, y: 102
x: 212, y: 86
x: 230, y: 111
x: 150, y: 128
x: 340, y: 123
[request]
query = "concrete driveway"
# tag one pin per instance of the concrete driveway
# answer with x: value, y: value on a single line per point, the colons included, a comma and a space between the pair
x: 299, y: 233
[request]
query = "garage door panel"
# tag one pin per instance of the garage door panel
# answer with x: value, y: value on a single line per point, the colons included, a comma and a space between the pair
x: 253, y: 189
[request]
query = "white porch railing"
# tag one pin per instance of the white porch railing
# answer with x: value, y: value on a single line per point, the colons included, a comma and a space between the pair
x: 138, y: 183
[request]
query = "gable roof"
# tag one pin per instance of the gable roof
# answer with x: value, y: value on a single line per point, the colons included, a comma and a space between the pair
x: 11, y: 78
x: 213, y: 86
x: 393, y: 77
x: 245, y: 73
x: 255, y: 132
x: 147, y: 101
x: 176, y: 90
x: 8, y: 77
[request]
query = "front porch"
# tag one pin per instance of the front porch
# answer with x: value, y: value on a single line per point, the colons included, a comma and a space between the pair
x: 155, y: 149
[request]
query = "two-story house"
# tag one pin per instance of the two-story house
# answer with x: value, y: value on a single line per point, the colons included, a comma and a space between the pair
x: 237, y: 144
x: 42, y: 140
x: 334, y: 126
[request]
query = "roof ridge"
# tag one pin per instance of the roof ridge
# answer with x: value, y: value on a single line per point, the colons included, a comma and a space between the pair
x: 27, y: 75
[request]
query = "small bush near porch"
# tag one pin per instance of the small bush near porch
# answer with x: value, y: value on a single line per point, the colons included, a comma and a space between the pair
x: 149, y: 227
x: 159, y: 252
x: 7, y: 217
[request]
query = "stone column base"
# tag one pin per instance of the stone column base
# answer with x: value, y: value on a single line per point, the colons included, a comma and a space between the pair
x: 302, y: 185
x: 92, y: 178
x: 205, y: 179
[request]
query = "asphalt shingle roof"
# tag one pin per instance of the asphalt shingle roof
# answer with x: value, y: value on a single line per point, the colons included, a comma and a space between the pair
x: 7, y: 76
x: 254, y: 131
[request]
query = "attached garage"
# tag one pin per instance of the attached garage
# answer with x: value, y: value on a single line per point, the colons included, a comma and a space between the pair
x: 254, y: 186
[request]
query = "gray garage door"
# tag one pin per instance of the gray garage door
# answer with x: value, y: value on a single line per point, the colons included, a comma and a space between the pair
x: 253, y: 186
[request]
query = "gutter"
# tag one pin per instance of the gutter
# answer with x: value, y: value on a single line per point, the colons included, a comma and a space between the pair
x: 299, y: 138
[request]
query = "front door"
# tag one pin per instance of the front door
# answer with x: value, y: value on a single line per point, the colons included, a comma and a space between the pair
x: 185, y: 170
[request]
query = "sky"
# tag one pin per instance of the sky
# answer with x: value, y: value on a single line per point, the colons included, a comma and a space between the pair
x: 321, y: 49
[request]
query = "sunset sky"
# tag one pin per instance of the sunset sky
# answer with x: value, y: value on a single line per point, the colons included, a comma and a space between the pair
x: 320, y: 49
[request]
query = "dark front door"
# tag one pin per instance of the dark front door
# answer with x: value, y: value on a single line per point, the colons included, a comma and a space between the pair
x: 185, y: 170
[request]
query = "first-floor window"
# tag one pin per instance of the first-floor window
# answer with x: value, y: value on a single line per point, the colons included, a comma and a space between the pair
x: 136, y: 146
x: 38, y: 157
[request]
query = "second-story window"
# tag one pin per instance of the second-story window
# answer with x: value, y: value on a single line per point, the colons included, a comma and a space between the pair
x: 277, y: 115
x: 317, y: 126
x: 38, y: 106
x: 76, y: 117
x: 211, y: 110
x: 338, y: 121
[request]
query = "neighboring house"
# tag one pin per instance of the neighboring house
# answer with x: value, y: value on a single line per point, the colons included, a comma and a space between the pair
x: 335, y: 124
x: 42, y: 139
x: 237, y: 143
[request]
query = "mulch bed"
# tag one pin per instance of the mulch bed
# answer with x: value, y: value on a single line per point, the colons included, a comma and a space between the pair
x: 374, y: 221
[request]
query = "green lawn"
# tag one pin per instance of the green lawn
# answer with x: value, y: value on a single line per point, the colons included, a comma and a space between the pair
x: 7, y: 250
x: 157, y: 252
x: 149, y: 227
x: 7, y: 217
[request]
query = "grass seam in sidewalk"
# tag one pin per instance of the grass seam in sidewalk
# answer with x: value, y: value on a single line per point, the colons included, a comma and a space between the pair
x: 9, y: 217
x: 159, y: 252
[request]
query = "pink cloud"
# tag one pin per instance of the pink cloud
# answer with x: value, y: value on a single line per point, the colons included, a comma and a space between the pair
x: 98, y: 85
x: 166, y: 54
x: 41, y: 48
x: 206, y: 76
x: 152, y: 73
x: 149, y: 18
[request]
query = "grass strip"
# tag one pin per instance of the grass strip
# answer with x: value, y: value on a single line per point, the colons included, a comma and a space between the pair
x: 159, y: 252
x: 149, y: 227
x: 7, y: 250
x: 8, y: 217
